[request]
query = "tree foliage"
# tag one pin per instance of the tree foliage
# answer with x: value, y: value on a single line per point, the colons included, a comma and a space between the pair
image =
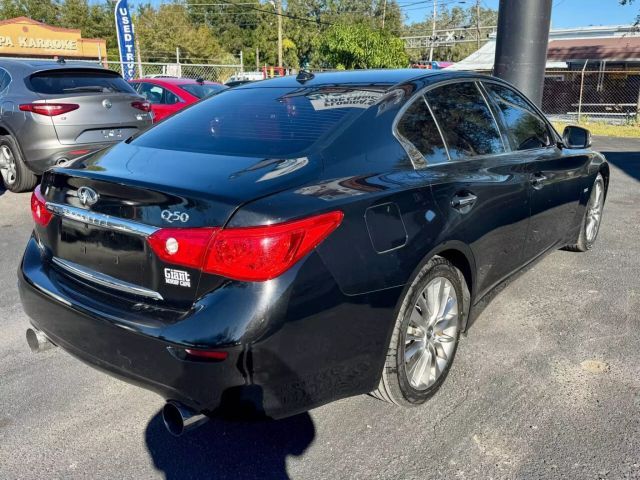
x: 358, y: 45
x: 320, y: 33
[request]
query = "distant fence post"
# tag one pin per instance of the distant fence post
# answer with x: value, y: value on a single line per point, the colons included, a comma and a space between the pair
x: 638, y: 108
x: 581, y: 89
x: 178, y: 62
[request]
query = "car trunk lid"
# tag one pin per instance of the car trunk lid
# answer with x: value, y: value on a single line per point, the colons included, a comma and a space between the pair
x: 106, y: 206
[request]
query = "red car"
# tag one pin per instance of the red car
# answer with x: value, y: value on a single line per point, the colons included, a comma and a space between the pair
x: 168, y: 95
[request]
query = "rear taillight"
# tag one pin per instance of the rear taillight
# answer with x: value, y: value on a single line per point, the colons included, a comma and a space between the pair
x: 249, y: 253
x: 41, y: 215
x: 182, y: 246
x: 49, y: 109
x: 142, y: 105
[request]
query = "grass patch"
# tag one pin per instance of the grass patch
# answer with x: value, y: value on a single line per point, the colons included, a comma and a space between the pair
x: 604, y: 129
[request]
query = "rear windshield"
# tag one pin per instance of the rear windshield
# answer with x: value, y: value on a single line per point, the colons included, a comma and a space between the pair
x: 202, y: 91
x: 260, y: 121
x: 64, y: 81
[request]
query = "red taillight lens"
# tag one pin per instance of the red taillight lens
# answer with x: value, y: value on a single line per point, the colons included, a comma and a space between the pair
x: 207, y: 354
x: 142, y: 105
x: 41, y: 215
x: 49, y: 109
x: 182, y: 246
x: 263, y: 253
x: 251, y: 253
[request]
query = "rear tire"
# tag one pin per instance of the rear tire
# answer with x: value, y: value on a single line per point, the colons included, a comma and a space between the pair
x: 592, y: 218
x: 425, y: 337
x: 13, y: 170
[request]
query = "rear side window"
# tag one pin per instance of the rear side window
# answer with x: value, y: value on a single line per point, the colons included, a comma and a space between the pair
x: 418, y: 127
x: 67, y: 81
x: 465, y: 119
x: 157, y: 95
x: 259, y: 121
x: 526, y: 129
x: 202, y: 91
x: 5, y: 79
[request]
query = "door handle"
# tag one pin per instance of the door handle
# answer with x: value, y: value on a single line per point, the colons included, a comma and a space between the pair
x: 463, y: 202
x: 538, y: 180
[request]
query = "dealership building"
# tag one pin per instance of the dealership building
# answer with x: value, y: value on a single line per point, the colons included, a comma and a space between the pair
x: 23, y: 37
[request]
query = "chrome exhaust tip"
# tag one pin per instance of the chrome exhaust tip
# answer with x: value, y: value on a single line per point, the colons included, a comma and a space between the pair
x: 179, y: 418
x: 38, y: 341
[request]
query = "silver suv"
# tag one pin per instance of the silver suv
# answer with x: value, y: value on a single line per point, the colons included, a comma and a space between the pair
x: 54, y: 112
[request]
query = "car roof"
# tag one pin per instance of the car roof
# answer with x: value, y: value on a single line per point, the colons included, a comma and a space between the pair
x: 356, y: 77
x: 174, y: 81
x: 36, y: 65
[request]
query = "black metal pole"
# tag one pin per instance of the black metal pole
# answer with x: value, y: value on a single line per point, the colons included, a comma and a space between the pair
x: 521, y: 47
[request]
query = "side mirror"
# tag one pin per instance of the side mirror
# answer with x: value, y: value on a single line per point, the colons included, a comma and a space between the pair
x: 576, y: 137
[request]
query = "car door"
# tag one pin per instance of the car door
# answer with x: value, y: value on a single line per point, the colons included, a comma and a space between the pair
x: 554, y: 178
x: 481, y: 189
x: 163, y: 102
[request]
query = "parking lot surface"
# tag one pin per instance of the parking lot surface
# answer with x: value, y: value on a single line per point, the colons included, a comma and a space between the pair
x: 547, y: 384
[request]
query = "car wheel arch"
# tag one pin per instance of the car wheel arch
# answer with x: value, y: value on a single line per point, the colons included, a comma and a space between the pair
x: 461, y: 256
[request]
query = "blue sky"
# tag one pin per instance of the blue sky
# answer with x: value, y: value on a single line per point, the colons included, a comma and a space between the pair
x: 565, y: 13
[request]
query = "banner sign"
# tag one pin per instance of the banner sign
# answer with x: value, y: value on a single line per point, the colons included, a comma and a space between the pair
x: 126, y: 42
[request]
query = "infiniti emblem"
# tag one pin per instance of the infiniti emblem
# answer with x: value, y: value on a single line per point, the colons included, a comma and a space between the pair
x: 87, y: 196
x: 106, y: 103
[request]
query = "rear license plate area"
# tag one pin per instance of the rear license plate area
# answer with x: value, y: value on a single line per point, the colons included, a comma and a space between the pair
x: 112, y: 253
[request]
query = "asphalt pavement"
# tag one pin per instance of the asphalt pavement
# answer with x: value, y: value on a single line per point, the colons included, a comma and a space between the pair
x: 546, y: 385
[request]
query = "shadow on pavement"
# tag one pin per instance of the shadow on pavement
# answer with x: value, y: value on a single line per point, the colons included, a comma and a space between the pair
x: 628, y: 162
x: 225, y: 449
x: 2, y: 189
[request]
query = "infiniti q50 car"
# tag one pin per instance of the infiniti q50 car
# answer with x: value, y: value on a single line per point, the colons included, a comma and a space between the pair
x: 299, y: 240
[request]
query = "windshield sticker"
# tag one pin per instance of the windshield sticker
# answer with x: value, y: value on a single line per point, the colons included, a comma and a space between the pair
x: 352, y: 99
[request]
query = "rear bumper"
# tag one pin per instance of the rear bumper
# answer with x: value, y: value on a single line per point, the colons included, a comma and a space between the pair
x: 294, y: 343
x: 139, y: 357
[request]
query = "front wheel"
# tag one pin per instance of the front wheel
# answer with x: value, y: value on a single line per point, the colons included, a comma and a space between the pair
x: 592, y: 217
x: 425, y: 337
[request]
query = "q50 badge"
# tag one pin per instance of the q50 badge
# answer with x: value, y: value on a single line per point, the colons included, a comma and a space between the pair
x: 170, y: 217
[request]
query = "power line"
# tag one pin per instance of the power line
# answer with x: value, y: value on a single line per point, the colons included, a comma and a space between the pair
x: 293, y: 17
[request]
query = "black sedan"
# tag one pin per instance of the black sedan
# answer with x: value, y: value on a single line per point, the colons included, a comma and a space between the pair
x: 299, y: 240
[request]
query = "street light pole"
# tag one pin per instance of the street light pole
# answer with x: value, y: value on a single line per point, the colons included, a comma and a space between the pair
x: 478, y: 23
x: 433, y: 29
x: 279, y: 33
x: 521, y: 44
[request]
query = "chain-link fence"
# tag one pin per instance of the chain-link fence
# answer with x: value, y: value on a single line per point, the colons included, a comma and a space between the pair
x: 601, y: 96
x: 215, y: 73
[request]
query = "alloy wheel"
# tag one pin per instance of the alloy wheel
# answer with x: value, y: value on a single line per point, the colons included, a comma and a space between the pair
x: 7, y: 165
x: 431, y: 334
x: 594, y: 210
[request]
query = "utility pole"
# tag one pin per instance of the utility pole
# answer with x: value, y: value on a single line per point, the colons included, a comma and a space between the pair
x: 433, y: 29
x: 521, y: 44
x: 279, y: 33
x: 384, y: 12
x: 478, y: 23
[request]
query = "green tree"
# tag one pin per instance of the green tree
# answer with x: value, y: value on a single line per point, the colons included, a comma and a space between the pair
x: 160, y: 31
x: 357, y: 45
x: 40, y: 10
